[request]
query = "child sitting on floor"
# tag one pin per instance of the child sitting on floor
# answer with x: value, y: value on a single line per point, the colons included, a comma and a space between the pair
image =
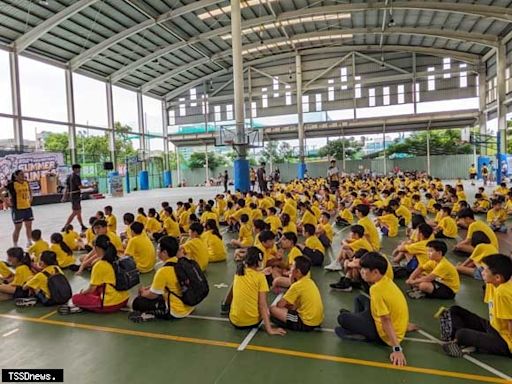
x: 497, y: 216
x: 12, y: 288
x: 356, y: 241
x: 472, y: 266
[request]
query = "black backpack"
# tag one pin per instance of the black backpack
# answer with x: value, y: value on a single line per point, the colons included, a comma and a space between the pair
x: 58, y: 285
x: 193, y: 283
x: 127, y: 274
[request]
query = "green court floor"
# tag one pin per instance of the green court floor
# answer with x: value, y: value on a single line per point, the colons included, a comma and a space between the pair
x: 93, y: 348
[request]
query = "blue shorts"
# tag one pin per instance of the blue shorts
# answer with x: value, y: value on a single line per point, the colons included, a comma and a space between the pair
x: 477, y: 273
x: 22, y: 215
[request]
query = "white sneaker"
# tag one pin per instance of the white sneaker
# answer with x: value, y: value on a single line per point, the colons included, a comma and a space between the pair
x: 334, y: 266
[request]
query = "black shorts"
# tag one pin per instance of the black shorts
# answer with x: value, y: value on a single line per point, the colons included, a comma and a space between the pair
x: 316, y: 257
x: 76, y: 204
x: 20, y: 293
x: 441, y: 291
x: 472, y: 176
x: 22, y: 215
x: 294, y: 322
x: 441, y: 235
x: 143, y: 304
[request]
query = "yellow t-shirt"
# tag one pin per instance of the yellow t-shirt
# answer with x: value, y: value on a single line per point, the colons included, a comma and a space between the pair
x: 420, y: 207
x: 304, y: 294
x: 290, y: 210
x: 499, y: 300
x: 403, y: 211
x: 116, y: 241
x: 22, y: 274
x: 209, y: 216
x: 216, y: 248
x: 274, y: 223
x: 39, y: 282
x: 143, y: 252
x: 292, y: 255
x: 102, y: 274
x: 37, y: 249
x: 153, y: 225
x: 418, y: 249
x: 346, y: 215
x: 196, y: 249
x: 239, y: 212
x: 449, y: 226
x: 90, y: 236
x: 314, y: 243
x: 171, y: 227
x: 141, y: 219
x: 481, y: 226
x: 482, y: 250
x: 4, y: 270
x: 70, y: 239
x: 111, y: 223
x: 371, y: 231
x: 63, y: 258
x: 445, y: 273
x: 22, y: 195
x: 361, y: 243
x: 245, y: 235
x: 496, y: 216
x: 184, y: 220
x: 246, y: 289
x: 329, y: 232
x: 391, y: 221
x: 165, y: 280
x: 291, y: 227
x: 388, y: 300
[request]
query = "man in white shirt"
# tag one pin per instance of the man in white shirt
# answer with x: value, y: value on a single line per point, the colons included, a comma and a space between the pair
x: 333, y: 176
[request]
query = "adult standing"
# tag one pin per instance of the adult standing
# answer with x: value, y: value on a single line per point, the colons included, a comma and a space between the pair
x: 225, y: 179
x: 333, y: 174
x: 72, y: 191
x: 262, y: 178
x: 20, y: 201
x: 504, y: 170
x: 492, y: 172
x: 252, y: 178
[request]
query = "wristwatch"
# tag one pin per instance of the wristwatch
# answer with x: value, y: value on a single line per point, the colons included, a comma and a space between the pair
x: 397, y: 348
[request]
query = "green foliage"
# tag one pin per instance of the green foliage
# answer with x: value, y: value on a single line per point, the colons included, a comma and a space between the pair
x: 334, y: 149
x: 198, y: 160
x: 442, y: 142
x: 276, y: 153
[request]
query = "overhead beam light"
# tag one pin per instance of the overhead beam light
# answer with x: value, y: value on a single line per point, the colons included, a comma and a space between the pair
x: 227, y: 8
x: 296, y: 41
x: 285, y: 23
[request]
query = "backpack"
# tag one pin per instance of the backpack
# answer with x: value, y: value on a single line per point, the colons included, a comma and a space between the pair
x: 127, y: 274
x: 58, y: 285
x: 193, y: 283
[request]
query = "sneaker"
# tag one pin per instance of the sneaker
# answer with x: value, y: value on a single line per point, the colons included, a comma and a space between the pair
x: 344, y: 285
x: 141, y: 317
x: 69, y: 309
x: 453, y: 349
x: 342, y: 333
x: 334, y: 266
x: 416, y: 294
x: 25, y: 302
x: 224, y: 309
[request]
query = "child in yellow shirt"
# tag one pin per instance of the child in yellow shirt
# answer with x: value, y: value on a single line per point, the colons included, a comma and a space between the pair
x: 324, y: 230
x: 497, y: 216
x: 38, y: 246
x: 345, y: 217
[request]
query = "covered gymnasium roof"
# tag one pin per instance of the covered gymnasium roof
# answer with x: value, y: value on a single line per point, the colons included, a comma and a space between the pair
x: 160, y: 46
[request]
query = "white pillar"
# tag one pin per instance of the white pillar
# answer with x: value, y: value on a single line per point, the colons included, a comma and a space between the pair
x: 482, y: 105
x: 165, y: 131
x: 111, y: 124
x: 142, y: 128
x: 300, y: 113
x: 384, y: 146
x: 414, y: 101
x: 178, y: 170
x: 249, y: 87
x: 238, y: 77
x: 343, y: 154
x: 16, y: 101
x: 428, y: 149
x: 70, y: 104
x: 502, y: 108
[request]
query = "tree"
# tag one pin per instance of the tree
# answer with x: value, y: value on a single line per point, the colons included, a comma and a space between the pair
x: 334, y: 149
x: 442, y: 142
x: 276, y: 153
x: 198, y: 160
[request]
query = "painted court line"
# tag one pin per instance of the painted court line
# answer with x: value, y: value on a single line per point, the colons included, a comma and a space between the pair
x: 253, y: 331
x: 471, y: 359
x: 10, y: 332
x: 224, y: 319
x: 415, y: 339
x: 278, y: 351
x: 48, y: 315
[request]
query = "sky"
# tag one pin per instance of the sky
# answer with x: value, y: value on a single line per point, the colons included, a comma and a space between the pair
x: 43, y: 95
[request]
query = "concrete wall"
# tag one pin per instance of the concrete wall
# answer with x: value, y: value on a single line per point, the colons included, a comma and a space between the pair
x: 444, y: 167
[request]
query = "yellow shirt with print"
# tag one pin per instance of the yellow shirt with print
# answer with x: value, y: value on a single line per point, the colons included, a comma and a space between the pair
x: 448, y: 226
x: 63, y: 259
x: 494, y: 216
x: 274, y: 223
x: 482, y: 250
x: 143, y: 252
x: 479, y: 225
x: 102, y: 275
x: 245, y: 235
x: 39, y: 282
x: 499, y: 301
x: 37, y: 248
x: 22, y: 274
x: 371, y: 231
x: 244, y: 309
x: 391, y: 221
x: 165, y: 280
x: 22, y: 195
x: 304, y: 294
x: 216, y: 248
x: 111, y: 223
x: 314, y: 243
x: 388, y: 300
x: 445, y: 273
x: 171, y: 227
x: 5, y: 272
x: 70, y: 238
x: 196, y: 249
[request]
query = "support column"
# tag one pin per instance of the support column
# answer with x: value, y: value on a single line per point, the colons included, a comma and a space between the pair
x: 354, y: 100
x: 16, y: 101
x: 482, y: 103
x: 384, y: 146
x: 249, y: 87
x: 502, y: 109
x: 111, y: 124
x: 241, y: 163
x: 167, y: 176
x: 428, y: 148
x: 300, y: 116
x: 178, y: 165
x: 206, y: 163
x: 142, y: 128
x: 414, y: 101
x: 70, y: 104
x: 343, y: 161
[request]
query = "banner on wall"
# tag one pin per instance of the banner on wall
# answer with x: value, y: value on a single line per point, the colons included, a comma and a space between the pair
x: 34, y: 165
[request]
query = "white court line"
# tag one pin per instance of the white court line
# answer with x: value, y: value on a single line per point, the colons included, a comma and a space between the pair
x: 224, y: 319
x: 10, y: 332
x: 471, y: 359
x: 415, y: 339
x: 253, y: 332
